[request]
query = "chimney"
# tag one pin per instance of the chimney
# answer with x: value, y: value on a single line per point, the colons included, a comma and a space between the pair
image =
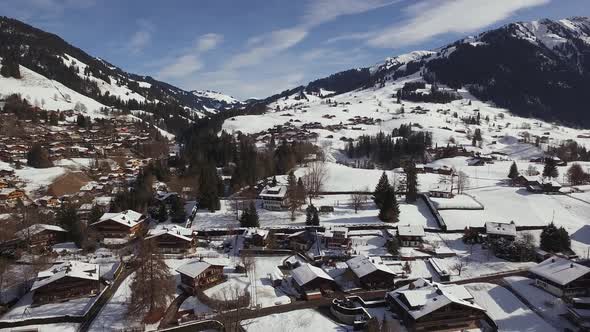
x: 572, y: 265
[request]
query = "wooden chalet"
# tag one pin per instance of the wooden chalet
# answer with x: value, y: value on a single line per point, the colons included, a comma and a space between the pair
x: 337, y: 238
x: 172, y: 239
x: 199, y: 274
x: 122, y: 225
x: 428, y: 306
x: 310, y: 281
x: 255, y: 237
x: 496, y: 230
x: 562, y: 277
x: 65, y: 281
x: 410, y: 235
x: 41, y: 236
x: 370, y: 272
x: 11, y: 195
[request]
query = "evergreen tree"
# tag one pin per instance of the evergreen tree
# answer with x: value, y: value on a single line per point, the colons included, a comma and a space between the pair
x: 162, y: 214
x: 249, y: 216
x: 245, y: 218
x: 94, y: 215
x: 393, y: 246
x: 293, y: 195
x: 309, y: 211
x: 38, y: 157
x: 380, y: 190
x: 300, y: 192
x: 411, y: 181
x: 315, y: 220
x: 550, y: 168
x: 513, y: 173
x: 274, y: 182
x: 177, y: 211
x: 555, y: 239
x: 67, y: 217
x: 10, y: 67
x: 389, y: 211
x: 152, y: 283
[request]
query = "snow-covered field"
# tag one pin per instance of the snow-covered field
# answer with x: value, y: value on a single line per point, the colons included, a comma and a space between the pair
x: 114, y: 314
x: 294, y: 321
x: 509, y: 313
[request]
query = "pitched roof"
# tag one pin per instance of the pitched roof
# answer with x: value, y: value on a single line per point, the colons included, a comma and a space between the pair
x: 73, y: 269
x: 128, y: 218
x: 278, y: 191
x: 307, y: 272
x: 194, y: 268
x: 362, y: 266
x: 500, y: 228
x: 180, y: 232
x: 425, y: 297
x: 38, y: 228
x: 410, y: 230
x: 560, y: 270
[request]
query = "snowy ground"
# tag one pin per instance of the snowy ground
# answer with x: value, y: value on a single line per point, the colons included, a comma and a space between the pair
x: 295, y: 321
x: 551, y: 308
x: 24, y: 310
x: 114, y: 314
x: 509, y: 313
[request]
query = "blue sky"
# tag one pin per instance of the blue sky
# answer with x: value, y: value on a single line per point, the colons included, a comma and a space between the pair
x: 255, y: 48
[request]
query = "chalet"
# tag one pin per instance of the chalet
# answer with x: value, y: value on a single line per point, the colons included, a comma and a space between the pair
x: 541, y: 185
x: 48, y: 201
x: 255, y: 237
x: 578, y: 312
x: 441, y: 190
x: 310, y: 280
x: 371, y: 272
x: 562, y: 277
x: 172, y: 239
x: 41, y: 236
x: 525, y: 180
x: 410, y: 235
x: 428, y: 306
x: 199, y: 274
x: 66, y: 281
x: 476, y: 162
x: 337, y: 238
x: 496, y: 230
x: 274, y: 198
x: 122, y: 225
x: 11, y: 195
x: 300, y: 241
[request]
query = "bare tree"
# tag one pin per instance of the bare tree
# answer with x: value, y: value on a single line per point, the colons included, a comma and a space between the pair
x: 532, y: 171
x: 462, y: 182
x: 358, y: 200
x: 314, y: 178
x: 233, y: 303
x: 459, y: 266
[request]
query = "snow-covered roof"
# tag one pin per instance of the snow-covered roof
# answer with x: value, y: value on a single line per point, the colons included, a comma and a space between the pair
x: 180, y: 232
x: 560, y: 270
x: 278, y: 191
x: 128, y: 218
x: 73, y: 269
x: 410, y: 230
x: 38, y: 228
x: 194, y: 268
x: 441, y: 187
x: 250, y: 232
x: 307, y: 272
x: 500, y: 228
x: 362, y: 266
x: 425, y: 297
x: 330, y: 232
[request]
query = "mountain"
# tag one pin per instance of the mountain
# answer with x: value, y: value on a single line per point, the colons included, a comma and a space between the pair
x: 535, y: 69
x: 62, y: 75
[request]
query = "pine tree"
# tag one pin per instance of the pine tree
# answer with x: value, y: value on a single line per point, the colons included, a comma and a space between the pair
x: 315, y: 220
x: 274, y: 182
x: 393, y: 246
x: 245, y: 218
x: 380, y: 190
x: 67, y: 217
x: 162, y: 215
x: 513, y: 173
x: 389, y: 211
x: 293, y: 198
x: 253, y: 215
x: 38, y: 157
x: 300, y: 192
x: 309, y: 214
x: 411, y: 182
x: 94, y: 215
x: 152, y: 283
x: 550, y: 168
x: 177, y: 211
x: 555, y: 239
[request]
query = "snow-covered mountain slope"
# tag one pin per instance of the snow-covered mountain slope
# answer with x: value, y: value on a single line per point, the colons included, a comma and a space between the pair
x: 49, y: 56
x: 45, y: 93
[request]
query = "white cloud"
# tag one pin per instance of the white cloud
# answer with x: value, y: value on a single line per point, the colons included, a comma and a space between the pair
x: 317, y: 12
x: 42, y: 10
x: 142, y: 37
x: 189, y: 60
x: 208, y: 42
x: 181, y: 66
x: 431, y: 18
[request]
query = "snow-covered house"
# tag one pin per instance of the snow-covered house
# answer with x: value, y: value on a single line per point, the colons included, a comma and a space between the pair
x: 310, y: 280
x: 562, y: 277
x: 172, y: 239
x: 371, y: 272
x: 124, y: 225
x: 496, y: 230
x: 41, y: 236
x: 255, y: 237
x: 428, y: 306
x: 442, y: 190
x: 199, y: 274
x: 274, y: 198
x: 410, y: 235
x: 301, y: 240
x: 337, y: 238
x: 8, y: 195
x: 67, y: 280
